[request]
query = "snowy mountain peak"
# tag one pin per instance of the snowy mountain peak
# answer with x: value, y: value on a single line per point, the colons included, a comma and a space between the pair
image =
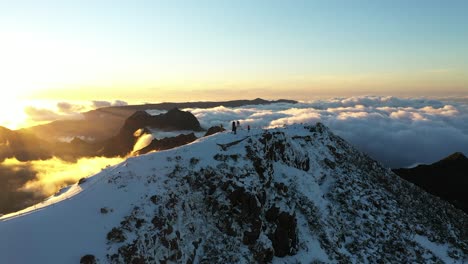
x: 292, y: 194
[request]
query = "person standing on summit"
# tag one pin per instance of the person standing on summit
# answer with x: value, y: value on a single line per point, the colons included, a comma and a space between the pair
x: 234, y: 128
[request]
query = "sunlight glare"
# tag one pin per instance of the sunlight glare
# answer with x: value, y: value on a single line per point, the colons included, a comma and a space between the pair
x: 13, y: 116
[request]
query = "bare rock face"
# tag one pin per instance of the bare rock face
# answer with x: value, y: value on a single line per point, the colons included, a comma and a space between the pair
x: 88, y: 259
x: 176, y: 119
x: 213, y: 130
x: 285, y: 237
x: 168, y: 143
x: 173, y: 120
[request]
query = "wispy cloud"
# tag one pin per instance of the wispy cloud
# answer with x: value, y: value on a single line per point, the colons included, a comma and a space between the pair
x: 66, y: 110
x: 99, y: 104
x: 53, y: 173
x: 27, y: 183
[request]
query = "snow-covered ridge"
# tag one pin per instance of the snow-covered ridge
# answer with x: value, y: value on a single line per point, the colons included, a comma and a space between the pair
x: 296, y: 193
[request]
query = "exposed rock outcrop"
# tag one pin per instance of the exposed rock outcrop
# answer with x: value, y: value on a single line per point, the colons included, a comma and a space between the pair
x: 174, y: 119
x: 213, y: 130
x: 167, y: 143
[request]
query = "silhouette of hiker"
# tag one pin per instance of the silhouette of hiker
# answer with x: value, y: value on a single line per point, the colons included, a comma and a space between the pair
x: 234, y: 128
x: 238, y: 124
x: 248, y: 128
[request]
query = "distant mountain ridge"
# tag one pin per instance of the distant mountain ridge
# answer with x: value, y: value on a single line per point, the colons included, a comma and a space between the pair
x: 104, y: 123
x: 447, y: 178
x: 199, y: 104
x: 23, y: 146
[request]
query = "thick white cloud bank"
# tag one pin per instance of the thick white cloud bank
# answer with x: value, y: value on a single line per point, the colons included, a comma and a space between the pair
x: 395, y: 131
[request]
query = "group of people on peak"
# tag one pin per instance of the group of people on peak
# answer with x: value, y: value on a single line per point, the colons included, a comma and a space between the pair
x: 236, y: 124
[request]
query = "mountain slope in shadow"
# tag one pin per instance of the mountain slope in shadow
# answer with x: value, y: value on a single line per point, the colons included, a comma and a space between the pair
x: 447, y: 178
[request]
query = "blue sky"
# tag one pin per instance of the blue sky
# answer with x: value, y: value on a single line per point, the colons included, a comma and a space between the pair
x: 86, y: 48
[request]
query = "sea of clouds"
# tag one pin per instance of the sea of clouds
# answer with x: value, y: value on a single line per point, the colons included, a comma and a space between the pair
x: 398, y: 132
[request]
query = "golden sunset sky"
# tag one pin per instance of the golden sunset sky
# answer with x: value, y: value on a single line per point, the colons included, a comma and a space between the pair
x: 153, y: 51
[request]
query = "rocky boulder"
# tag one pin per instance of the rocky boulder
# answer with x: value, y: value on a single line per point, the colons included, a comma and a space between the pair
x: 213, y: 130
